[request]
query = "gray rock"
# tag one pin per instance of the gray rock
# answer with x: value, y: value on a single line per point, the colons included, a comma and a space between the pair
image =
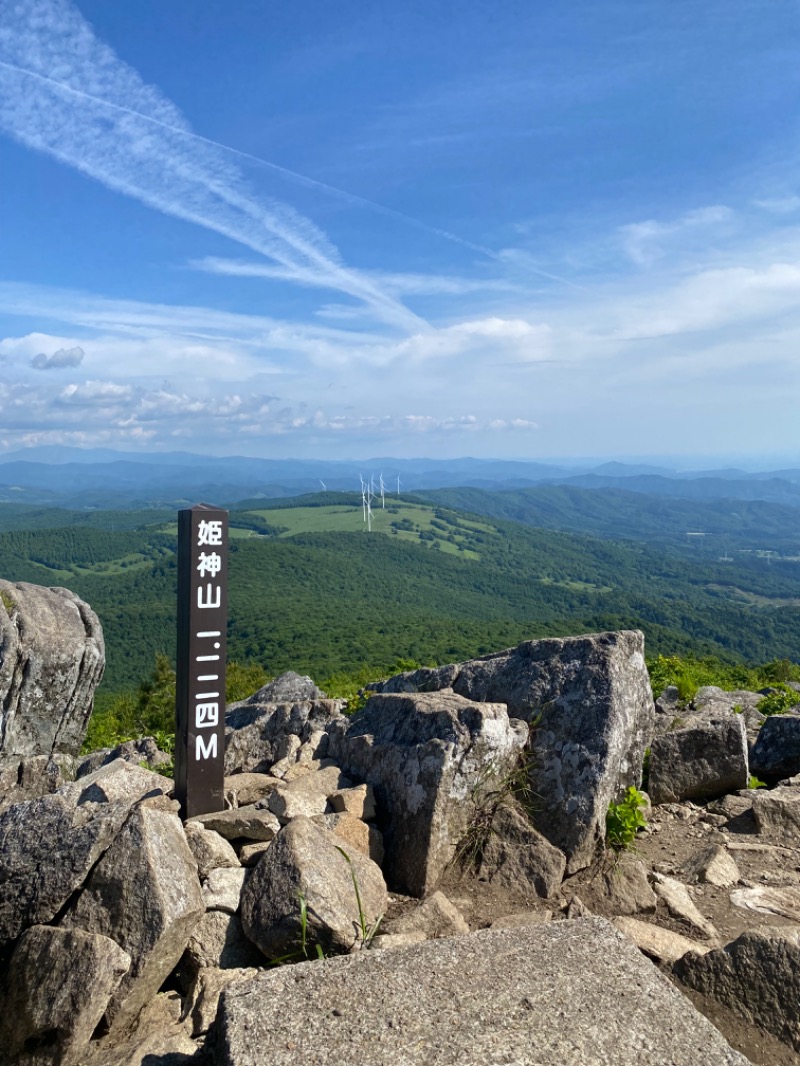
x: 776, y: 752
x: 358, y: 801
x: 620, y: 888
x: 202, y: 999
x: 306, y: 795
x: 32, y: 776
x: 56, y: 991
x: 353, y: 833
x: 144, y: 749
x: 427, y: 756
x: 217, y: 942
x: 590, y: 701
x: 777, y: 812
x: 522, y: 920
x: 250, y: 788
x: 681, y: 905
x: 222, y: 888
x: 52, y: 657
x: 661, y: 945
x: 517, y: 857
x: 711, y: 866
x: 250, y: 854
x: 436, y: 916
x: 545, y: 996
x: 116, y: 781
x: 391, y: 941
x: 757, y: 976
x: 763, y: 899
x: 159, y: 1039
x: 47, y: 849
x: 304, y: 862
x: 211, y: 851
x: 700, y: 762
x: 242, y: 823
x: 256, y: 730
x: 145, y: 894
x: 286, y: 688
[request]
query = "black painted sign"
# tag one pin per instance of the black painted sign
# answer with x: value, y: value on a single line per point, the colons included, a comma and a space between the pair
x: 202, y: 623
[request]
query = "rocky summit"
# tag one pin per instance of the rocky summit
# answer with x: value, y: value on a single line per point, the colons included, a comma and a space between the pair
x: 467, y: 871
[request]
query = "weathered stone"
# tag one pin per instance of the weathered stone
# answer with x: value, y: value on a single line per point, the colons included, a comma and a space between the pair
x: 116, y: 781
x: 218, y: 941
x: 287, y: 687
x: 777, y: 812
x: 47, y: 849
x: 286, y: 752
x: 620, y: 887
x: 52, y: 657
x: 144, y: 749
x: 352, y: 832
x: 33, y: 776
x: 145, y: 894
x: 249, y: 854
x: 358, y: 801
x: 516, y: 856
x: 211, y: 851
x: 435, y: 916
x: 248, y: 823
x: 591, y: 708
x: 390, y: 941
x: 763, y: 899
x: 700, y: 762
x: 757, y: 976
x: 681, y: 906
x: 307, y: 795
x: 304, y: 861
x: 202, y: 999
x: 546, y: 996
x: 222, y: 889
x: 56, y: 990
x: 256, y: 728
x: 159, y: 1039
x: 776, y: 752
x: 250, y: 788
x: 427, y: 756
x: 659, y: 944
x: 522, y: 920
x: 712, y: 866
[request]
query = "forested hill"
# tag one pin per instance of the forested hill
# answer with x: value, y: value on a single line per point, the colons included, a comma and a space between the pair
x: 310, y: 591
x: 730, y: 524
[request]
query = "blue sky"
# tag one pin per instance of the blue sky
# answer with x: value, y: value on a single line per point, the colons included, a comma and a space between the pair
x: 514, y: 229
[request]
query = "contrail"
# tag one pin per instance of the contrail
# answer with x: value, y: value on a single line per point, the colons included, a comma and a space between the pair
x: 303, y: 179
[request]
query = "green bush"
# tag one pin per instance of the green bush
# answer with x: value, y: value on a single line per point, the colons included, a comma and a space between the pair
x: 782, y: 699
x: 625, y: 819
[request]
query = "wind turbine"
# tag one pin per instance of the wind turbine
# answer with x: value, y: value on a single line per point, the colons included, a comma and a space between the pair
x: 383, y: 505
x: 398, y: 484
x: 363, y: 498
x: 324, y: 486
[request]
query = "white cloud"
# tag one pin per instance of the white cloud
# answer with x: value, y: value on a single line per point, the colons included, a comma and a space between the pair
x: 646, y: 242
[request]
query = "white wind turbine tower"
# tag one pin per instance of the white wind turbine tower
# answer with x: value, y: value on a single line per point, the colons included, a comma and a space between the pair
x: 363, y: 498
x: 324, y: 487
x: 398, y: 484
x: 370, y: 495
x: 383, y: 505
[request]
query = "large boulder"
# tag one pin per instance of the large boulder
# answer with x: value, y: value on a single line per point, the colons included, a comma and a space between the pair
x: 304, y: 865
x: 427, y: 756
x: 57, y: 988
x: 47, y: 849
x: 590, y: 706
x: 145, y: 894
x: 757, y: 976
x: 52, y: 657
x: 701, y: 762
x: 516, y: 857
x: 776, y: 752
x: 289, y: 710
x: 564, y: 992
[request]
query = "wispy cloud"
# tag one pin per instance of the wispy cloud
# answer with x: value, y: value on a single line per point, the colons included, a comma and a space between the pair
x: 64, y: 92
x: 645, y: 241
x: 61, y: 358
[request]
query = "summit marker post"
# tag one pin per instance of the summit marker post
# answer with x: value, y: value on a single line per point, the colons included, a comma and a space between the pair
x: 202, y: 628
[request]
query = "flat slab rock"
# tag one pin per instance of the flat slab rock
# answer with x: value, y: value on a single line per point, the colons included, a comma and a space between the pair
x: 546, y: 996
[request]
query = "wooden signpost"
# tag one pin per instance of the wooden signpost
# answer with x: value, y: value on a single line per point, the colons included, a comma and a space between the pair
x: 202, y: 625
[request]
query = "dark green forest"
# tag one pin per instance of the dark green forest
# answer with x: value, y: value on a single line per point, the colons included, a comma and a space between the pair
x: 331, y: 603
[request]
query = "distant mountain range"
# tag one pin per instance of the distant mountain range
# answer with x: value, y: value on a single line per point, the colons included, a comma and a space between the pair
x: 78, y: 478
